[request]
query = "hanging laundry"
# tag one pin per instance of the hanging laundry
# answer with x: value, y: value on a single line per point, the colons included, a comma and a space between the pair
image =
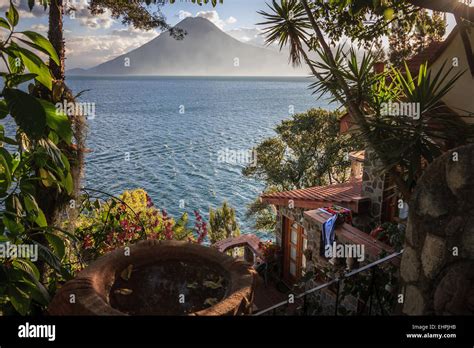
x: 328, y: 231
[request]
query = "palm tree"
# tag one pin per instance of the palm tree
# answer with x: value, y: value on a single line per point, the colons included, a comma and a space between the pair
x: 350, y: 81
x: 288, y: 25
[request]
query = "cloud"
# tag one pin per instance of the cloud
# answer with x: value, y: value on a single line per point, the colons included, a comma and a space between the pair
x: 80, y: 11
x: 97, y: 22
x: 40, y: 28
x: 253, y: 36
x: 184, y: 14
x: 86, y: 51
x: 231, y: 20
x: 213, y: 16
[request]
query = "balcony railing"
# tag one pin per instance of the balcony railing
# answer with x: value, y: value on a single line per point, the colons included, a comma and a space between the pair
x: 372, y: 267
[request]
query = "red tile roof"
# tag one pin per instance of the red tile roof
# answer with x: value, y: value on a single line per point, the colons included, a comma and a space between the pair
x: 348, y: 195
x: 431, y: 53
x: 346, y: 123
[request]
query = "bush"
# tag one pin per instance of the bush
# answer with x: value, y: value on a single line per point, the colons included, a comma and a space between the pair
x: 117, y: 222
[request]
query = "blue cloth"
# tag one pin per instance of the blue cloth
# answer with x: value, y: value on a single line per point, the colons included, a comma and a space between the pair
x: 328, y: 230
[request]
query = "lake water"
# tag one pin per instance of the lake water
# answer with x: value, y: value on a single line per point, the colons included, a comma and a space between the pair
x: 165, y: 135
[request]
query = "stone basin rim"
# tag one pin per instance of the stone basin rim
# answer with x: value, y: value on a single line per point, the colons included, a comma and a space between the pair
x: 92, y: 286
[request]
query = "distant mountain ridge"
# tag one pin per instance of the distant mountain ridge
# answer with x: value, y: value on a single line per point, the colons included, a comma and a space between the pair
x: 205, y: 51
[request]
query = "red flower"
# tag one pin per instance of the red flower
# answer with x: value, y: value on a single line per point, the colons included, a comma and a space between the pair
x: 88, y: 242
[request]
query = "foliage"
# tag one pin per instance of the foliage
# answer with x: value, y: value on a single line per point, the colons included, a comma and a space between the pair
x: 367, y: 21
x: 362, y: 286
x: 308, y: 150
x: 270, y: 251
x: 408, y: 38
x: 117, y: 222
x: 29, y: 162
x: 391, y: 234
x: 401, y: 140
x: 283, y: 28
x: 265, y: 214
x: 222, y: 223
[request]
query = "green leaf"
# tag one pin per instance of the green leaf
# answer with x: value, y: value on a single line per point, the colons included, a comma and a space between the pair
x: 6, y: 163
x: 13, y: 226
x: 46, y: 255
x: 27, y: 266
x: 16, y: 64
x: 35, y: 65
x: 30, y: 204
x: 35, y: 290
x: 19, y: 299
x: 57, y: 121
x: 41, y: 219
x: 27, y: 111
x: 57, y: 243
x: 3, y: 109
x: 68, y: 183
x: 42, y: 42
x: 16, y: 80
x: 33, y: 208
x: 12, y: 15
x: 4, y: 23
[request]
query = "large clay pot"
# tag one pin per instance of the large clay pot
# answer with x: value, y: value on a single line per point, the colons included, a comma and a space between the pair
x: 159, y: 278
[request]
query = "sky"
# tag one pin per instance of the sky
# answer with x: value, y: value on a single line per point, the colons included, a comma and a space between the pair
x: 91, y: 40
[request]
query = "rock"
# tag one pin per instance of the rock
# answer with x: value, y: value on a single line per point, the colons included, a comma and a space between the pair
x: 454, y: 294
x: 410, y: 265
x: 409, y: 235
x: 431, y: 206
x: 455, y: 177
x: 467, y: 246
x: 433, y: 255
x: 414, y: 301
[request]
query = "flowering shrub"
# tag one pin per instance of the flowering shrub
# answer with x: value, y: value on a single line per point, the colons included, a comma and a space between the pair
x: 106, y: 225
x: 390, y: 233
x: 344, y: 214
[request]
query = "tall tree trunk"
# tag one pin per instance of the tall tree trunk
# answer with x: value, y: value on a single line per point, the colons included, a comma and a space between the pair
x: 56, y: 37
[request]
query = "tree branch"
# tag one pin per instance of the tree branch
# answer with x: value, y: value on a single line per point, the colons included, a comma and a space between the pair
x: 455, y: 7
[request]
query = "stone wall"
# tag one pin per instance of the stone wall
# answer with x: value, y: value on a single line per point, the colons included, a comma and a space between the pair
x: 325, y: 299
x: 373, y: 184
x: 437, y: 267
x: 313, y: 231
